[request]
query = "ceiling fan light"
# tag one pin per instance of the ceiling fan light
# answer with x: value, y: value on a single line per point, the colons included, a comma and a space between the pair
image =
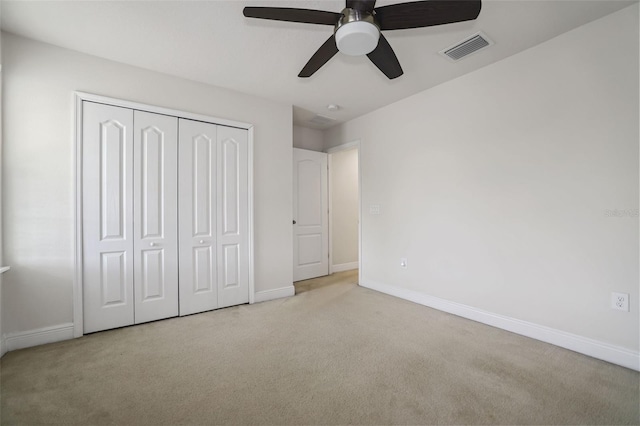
x: 357, y: 38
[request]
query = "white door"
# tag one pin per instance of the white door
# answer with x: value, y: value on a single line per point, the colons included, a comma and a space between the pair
x: 213, y: 211
x: 310, y: 215
x: 155, y: 225
x: 233, y: 217
x: 107, y: 184
x: 134, y: 268
x: 197, y: 213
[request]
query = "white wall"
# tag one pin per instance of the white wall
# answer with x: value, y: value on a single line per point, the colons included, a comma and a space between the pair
x: 2, y: 346
x: 39, y: 169
x: 343, y: 191
x: 496, y: 186
x: 306, y: 138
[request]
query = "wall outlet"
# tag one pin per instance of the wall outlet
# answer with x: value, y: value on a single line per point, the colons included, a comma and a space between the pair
x: 403, y: 262
x: 620, y: 301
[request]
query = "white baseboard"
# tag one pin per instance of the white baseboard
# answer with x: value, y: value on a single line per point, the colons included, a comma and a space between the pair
x: 345, y: 266
x: 594, y: 348
x: 41, y: 336
x: 276, y: 293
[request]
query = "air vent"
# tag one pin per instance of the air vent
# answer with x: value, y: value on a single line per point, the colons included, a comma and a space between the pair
x: 467, y: 47
x: 321, y: 120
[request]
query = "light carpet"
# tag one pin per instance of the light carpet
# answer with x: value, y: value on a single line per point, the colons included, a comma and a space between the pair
x: 336, y: 353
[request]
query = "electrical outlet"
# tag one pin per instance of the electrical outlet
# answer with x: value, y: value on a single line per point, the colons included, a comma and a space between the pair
x: 620, y: 301
x: 403, y: 262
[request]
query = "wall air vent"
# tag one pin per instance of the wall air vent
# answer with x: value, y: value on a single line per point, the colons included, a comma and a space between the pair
x: 467, y: 47
x: 321, y: 120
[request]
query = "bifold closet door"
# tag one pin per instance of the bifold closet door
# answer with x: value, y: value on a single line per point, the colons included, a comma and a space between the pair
x: 213, y: 212
x: 197, y: 212
x: 107, y: 216
x: 233, y: 218
x: 129, y: 217
x: 155, y: 225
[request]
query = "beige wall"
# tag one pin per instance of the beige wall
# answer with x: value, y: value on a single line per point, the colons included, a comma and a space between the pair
x: 306, y: 138
x: 38, y: 169
x: 497, y: 185
x: 343, y: 190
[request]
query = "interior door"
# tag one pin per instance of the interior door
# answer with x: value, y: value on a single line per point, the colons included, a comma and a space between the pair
x: 310, y: 215
x: 233, y: 218
x: 155, y: 224
x: 107, y: 219
x: 214, y: 218
x: 198, y: 218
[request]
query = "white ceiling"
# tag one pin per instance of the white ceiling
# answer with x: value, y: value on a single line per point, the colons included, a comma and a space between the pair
x: 212, y: 42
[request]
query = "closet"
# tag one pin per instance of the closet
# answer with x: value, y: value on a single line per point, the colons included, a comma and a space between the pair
x: 164, y: 216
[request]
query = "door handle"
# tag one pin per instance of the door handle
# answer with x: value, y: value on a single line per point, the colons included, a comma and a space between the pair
x: 294, y: 221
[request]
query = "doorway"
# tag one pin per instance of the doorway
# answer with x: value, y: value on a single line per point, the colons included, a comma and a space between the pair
x: 344, y: 207
x: 326, y: 211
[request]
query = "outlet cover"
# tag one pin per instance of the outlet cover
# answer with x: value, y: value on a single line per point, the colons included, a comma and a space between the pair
x: 620, y: 301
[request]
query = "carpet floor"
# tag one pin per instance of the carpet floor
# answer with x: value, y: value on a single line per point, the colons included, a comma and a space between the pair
x: 336, y: 353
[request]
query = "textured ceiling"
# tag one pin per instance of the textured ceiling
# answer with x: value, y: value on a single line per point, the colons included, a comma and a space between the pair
x: 212, y: 42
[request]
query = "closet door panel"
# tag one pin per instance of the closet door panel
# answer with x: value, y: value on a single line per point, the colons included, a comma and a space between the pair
x: 155, y: 198
x: 107, y: 160
x: 197, y: 212
x: 233, y: 254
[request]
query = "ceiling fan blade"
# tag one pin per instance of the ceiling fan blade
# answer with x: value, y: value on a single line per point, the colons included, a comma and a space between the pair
x: 363, y: 5
x: 426, y: 13
x: 321, y: 57
x: 306, y: 16
x: 385, y: 59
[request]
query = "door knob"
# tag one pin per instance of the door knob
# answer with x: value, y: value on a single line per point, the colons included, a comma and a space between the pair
x: 152, y: 244
x: 201, y: 241
x: 294, y: 221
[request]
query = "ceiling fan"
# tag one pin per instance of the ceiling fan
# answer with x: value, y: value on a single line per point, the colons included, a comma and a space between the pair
x: 357, y: 28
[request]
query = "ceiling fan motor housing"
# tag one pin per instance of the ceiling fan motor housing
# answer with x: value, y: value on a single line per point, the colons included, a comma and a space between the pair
x: 356, y: 32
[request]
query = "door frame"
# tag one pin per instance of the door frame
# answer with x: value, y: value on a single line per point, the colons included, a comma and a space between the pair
x: 77, y: 99
x: 344, y: 147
